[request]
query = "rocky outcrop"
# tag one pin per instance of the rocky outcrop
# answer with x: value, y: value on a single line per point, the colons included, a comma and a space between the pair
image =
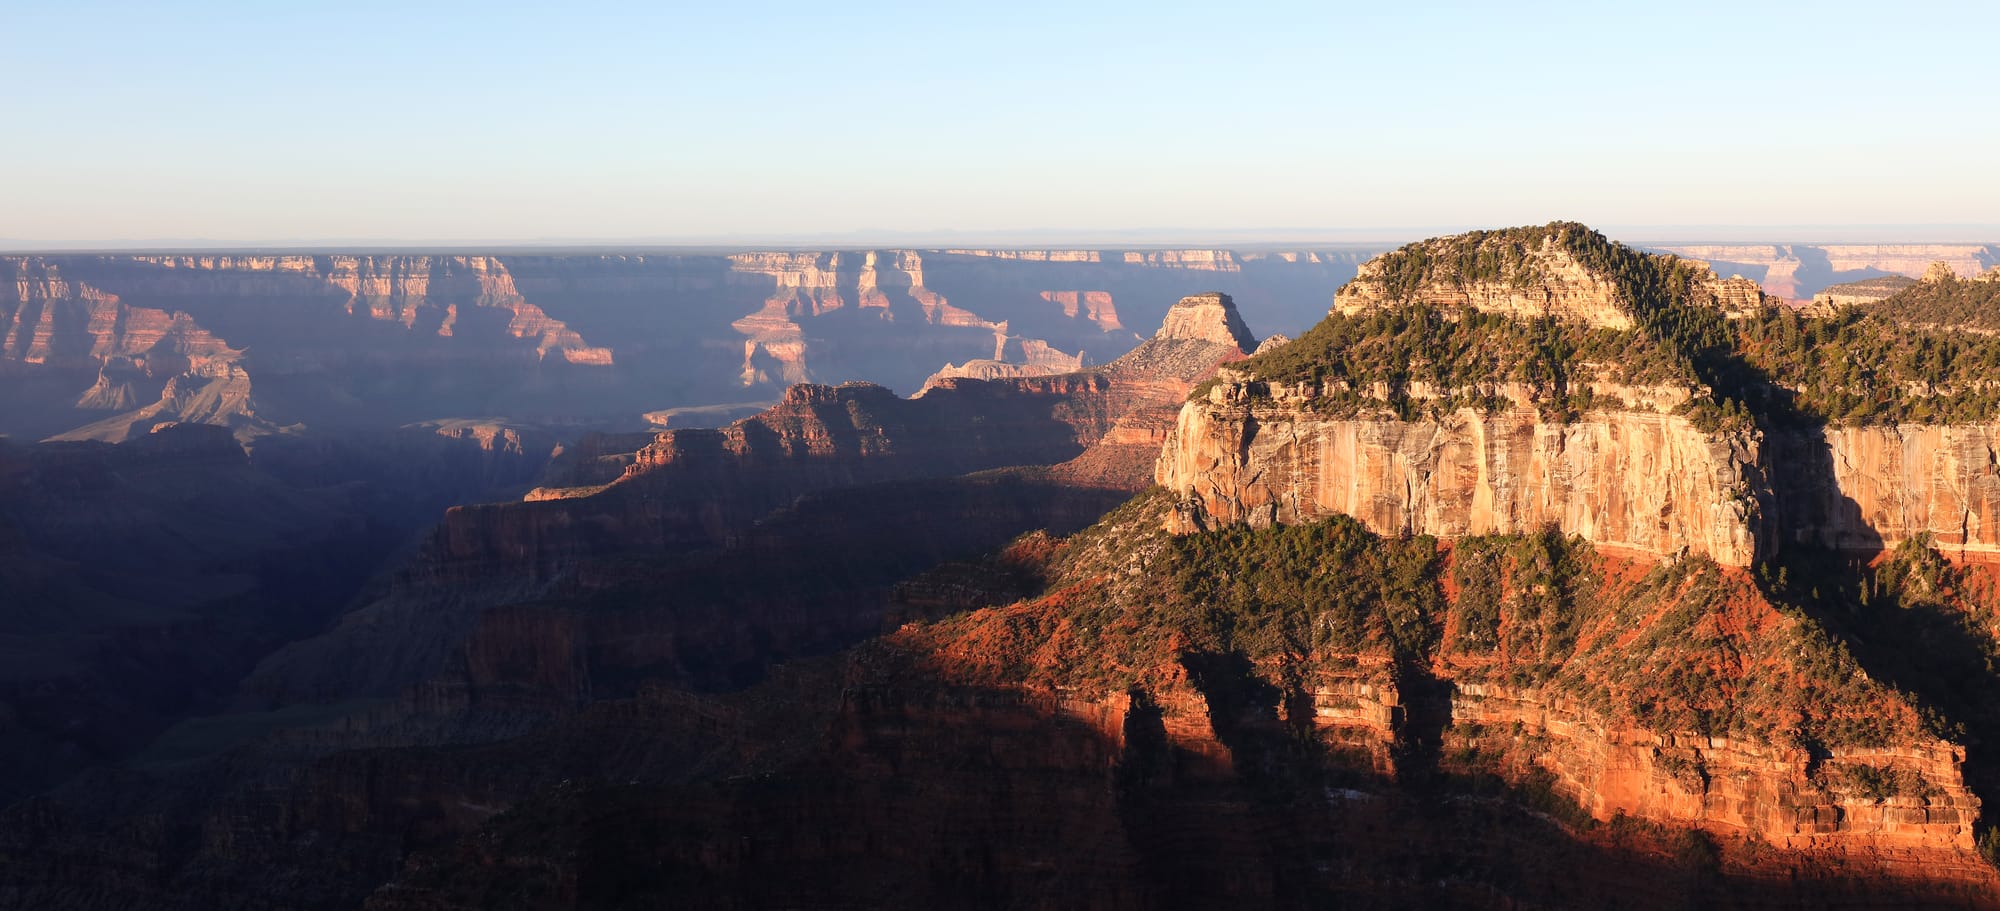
x: 1094, y: 307
x: 1014, y: 358
x: 1545, y: 280
x: 1146, y: 385
x: 1271, y: 342
x: 1210, y: 318
x: 1787, y: 797
x: 1656, y: 470
x: 1542, y: 278
x: 1200, y: 332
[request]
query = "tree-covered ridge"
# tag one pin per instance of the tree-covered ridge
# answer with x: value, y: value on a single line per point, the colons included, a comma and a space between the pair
x: 1514, y: 257
x: 1879, y: 285
x: 1683, y: 647
x: 1860, y: 366
x: 1949, y: 302
x: 1925, y: 355
x: 1463, y: 358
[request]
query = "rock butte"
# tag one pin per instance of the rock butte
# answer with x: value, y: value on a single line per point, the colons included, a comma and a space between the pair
x: 1636, y: 480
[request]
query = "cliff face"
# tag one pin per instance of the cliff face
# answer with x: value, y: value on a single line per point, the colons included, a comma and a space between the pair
x: 1786, y: 797
x: 1870, y: 488
x: 441, y: 296
x: 327, y: 331
x: 161, y: 366
x: 1633, y: 481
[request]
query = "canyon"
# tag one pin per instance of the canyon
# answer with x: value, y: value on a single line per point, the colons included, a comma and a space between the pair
x: 1082, y: 438
x: 1540, y: 571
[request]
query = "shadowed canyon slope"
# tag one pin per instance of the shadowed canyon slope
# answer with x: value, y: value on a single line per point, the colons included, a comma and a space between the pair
x: 709, y: 558
x: 1090, y: 436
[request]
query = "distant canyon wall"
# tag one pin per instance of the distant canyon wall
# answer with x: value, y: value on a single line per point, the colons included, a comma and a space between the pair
x: 1799, y: 271
x: 106, y: 346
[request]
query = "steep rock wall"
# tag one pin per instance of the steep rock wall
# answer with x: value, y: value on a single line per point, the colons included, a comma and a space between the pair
x: 1638, y: 481
x: 1634, y: 481
x: 1868, y: 488
x: 1723, y: 784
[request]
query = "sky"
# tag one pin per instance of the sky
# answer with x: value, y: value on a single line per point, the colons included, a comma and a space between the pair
x: 136, y: 124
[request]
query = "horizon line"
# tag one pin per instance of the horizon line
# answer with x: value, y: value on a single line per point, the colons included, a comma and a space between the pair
x: 1030, y: 239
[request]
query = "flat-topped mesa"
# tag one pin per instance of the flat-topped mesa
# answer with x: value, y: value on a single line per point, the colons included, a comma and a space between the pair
x: 1562, y: 269
x: 1013, y: 357
x: 1865, y: 291
x: 1209, y: 317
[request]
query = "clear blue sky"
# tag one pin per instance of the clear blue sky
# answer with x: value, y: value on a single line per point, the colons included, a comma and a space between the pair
x: 496, y: 121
